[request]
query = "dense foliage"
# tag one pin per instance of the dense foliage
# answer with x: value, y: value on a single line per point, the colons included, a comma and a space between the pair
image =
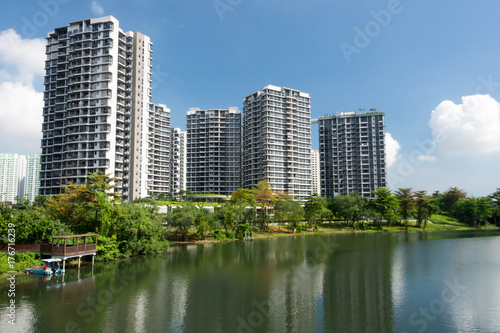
x: 129, y: 229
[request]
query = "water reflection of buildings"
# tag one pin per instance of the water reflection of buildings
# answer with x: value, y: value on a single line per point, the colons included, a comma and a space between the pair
x: 353, y: 300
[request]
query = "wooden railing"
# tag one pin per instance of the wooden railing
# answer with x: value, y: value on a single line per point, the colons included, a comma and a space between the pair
x: 22, y: 247
x: 56, y: 249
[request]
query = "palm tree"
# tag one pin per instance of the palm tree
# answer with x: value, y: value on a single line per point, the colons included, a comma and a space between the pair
x: 451, y: 198
x: 385, y: 204
x: 425, y: 207
x: 406, y: 199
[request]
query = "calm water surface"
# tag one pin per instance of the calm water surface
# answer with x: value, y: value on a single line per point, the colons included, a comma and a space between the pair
x: 416, y: 282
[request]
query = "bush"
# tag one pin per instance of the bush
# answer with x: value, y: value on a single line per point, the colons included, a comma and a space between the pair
x: 22, y: 260
x: 218, y: 235
x: 107, y: 248
x: 139, y: 231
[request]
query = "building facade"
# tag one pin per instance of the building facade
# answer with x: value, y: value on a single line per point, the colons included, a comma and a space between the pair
x: 277, y: 140
x: 159, y: 149
x: 12, y: 176
x: 213, y: 150
x: 178, y: 162
x: 352, y: 153
x: 315, y: 172
x: 97, y: 112
x: 32, y: 183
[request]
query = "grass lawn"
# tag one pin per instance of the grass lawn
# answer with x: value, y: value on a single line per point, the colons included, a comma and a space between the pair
x: 445, y: 220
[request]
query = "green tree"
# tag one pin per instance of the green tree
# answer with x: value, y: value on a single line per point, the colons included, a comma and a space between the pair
x: 351, y: 207
x: 86, y: 207
x: 138, y: 230
x: 244, y: 205
x: 225, y: 214
x: 103, y: 195
x: 243, y: 195
x: 438, y: 198
x: 385, y: 204
x: 495, y: 197
x: 474, y: 211
x: 31, y: 225
x: 203, y: 221
x: 264, y: 195
x: 40, y: 201
x: 289, y: 210
x: 315, y: 210
x: 184, y: 218
x: 424, y: 206
x: 72, y: 207
x: 406, y: 199
x: 451, y: 198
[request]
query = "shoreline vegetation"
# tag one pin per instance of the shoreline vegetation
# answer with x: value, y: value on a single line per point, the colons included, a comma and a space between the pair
x: 130, y: 229
x: 287, y: 231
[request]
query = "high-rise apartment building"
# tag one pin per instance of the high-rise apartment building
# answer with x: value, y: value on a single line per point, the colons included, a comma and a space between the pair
x: 213, y: 150
x: 277, y: 140
x: 12, y: 176
x: 178, y: 162
x: 97, y: 114
x: 315, y: 172
x: 352, y: 153
x: 32, y: 184
x: 159, y: 149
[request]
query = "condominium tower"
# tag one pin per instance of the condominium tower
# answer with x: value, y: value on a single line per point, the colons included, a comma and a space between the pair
x: 352, y: 153
x: 32, y: 183
x: 277, y: 140
x: 214, y: 150
x: 178, y: 162
x: 12, y: 176
x: 159, y: 149
x: 315, y: 172
x: 97, y: 114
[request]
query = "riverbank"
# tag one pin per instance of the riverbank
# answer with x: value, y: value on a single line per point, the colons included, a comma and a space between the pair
x: 287, y: 231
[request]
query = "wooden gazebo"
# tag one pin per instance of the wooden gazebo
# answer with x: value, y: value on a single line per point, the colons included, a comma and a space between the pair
x: 71, y: 248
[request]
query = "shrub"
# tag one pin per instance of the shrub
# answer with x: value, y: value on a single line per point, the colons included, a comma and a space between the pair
x: 22, y: 260
x: 107, y: 248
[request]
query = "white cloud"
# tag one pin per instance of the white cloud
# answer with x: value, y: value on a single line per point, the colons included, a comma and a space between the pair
x: 21, y: 62
x: 472, y: 127
x: 426, y: 158
x: 21, y: 115
x: 392, y: 148
x: 20, y: 58
x: 97, y: 8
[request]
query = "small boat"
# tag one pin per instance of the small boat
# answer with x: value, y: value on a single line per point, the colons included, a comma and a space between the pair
x: 52, y: 268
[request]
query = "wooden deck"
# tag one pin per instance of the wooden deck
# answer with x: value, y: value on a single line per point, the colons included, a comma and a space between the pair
x: 62, y: 250
x: 70, y: 246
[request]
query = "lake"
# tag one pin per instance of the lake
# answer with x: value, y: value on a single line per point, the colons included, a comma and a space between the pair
x: 372, y: 282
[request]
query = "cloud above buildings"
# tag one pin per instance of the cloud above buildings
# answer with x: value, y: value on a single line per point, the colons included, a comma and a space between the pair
x: 21, y: 63
x: 21, y: 59
x: 463, y: 151
x: 97, y: 8
x: 392, y: 148
x: 470, y: 128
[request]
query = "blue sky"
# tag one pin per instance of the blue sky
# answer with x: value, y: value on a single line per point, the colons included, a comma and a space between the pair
x: 405, y: 57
